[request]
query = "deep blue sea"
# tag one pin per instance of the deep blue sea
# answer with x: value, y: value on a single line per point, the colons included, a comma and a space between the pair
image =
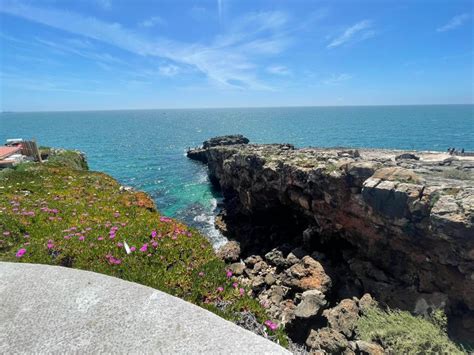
x: 146, y: 148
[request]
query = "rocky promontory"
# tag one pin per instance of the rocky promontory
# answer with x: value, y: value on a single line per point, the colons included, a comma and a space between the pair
x: 324, y: 226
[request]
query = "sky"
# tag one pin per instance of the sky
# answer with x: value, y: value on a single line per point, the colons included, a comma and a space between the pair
x: 124, y: 54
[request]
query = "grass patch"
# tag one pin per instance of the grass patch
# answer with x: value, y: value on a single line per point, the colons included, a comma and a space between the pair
x: 405, y: 333
x: 58, y: 214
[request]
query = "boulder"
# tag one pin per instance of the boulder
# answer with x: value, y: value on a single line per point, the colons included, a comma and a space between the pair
x: 275, y: 257
x: 307, y: 274
x: 367, y: 348
x: 229, y: 252
x: 237, y: 268
x: 343, y: 318
x: 225, y: 140
x: 312, y: 303
x: 366, y: 302
x: 327, y: 339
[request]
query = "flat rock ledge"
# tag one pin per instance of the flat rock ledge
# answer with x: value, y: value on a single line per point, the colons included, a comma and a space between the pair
x: 51, y: 309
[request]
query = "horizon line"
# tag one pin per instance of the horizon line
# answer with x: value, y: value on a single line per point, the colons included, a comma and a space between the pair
x: 231, y: 107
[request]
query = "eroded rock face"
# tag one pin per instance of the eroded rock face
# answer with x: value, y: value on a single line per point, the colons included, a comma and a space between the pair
x: 403, y: 226
x: 230, y: 251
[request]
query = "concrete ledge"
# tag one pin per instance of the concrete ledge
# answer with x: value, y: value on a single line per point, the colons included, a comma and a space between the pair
x: 56, y: 310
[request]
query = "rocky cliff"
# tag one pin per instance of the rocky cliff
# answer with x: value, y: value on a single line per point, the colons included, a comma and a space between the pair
x: 396, y: 224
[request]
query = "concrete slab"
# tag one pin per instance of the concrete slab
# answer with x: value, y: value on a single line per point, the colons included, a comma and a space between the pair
x: 59, y: 310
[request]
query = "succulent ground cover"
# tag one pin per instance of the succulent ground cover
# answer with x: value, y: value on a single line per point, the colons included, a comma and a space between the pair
x: 57, y: 213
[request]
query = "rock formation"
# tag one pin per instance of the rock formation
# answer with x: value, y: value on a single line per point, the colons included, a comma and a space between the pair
x: 343, y: 222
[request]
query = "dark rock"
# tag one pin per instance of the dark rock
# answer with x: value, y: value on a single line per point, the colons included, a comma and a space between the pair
x: 312, y: 303
x: 229, y: 252
x: 225, y: 140
x: 328, y: 340
x: 343, y: 318
x: 407, y: 156
x: 275, y: 257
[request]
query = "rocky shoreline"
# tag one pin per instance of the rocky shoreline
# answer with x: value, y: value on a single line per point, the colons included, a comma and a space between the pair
x: 322, y: 232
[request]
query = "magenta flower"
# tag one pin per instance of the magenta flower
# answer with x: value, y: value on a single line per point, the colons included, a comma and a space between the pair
x: 144, y: 248
x: 120, y: 244
x: 220, y: 289
x: 241, y: 291
x: 133, y: 249
x: 50, y: 244
x: 235, y: 285
x: 153, y: 234
x: 81, y: 238
x: 154, y: 244
x: 229, y: 274
x: 20, y: 252
x: 100, y: 238
x: 271, y: 325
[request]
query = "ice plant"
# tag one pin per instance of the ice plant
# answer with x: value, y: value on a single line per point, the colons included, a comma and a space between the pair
x: 50, y: 244
x: 144, y: 248
x: 228, y: 274
x: 271, y: 325
x: 20, y: 252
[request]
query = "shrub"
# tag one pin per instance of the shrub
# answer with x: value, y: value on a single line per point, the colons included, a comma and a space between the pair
x: 405, y: 333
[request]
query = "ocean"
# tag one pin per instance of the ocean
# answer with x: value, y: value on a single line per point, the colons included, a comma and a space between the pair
x: 146, y: 148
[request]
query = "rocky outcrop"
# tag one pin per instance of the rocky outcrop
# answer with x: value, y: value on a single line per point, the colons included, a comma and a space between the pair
x: 396, y: 224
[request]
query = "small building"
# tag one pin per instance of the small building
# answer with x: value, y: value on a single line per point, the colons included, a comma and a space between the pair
x: 10, y: 155
x: 17, y: 150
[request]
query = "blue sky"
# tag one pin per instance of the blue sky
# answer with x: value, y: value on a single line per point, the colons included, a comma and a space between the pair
x: 119, y: 54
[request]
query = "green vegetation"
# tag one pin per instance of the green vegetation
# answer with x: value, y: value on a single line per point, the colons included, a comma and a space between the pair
x: 58, y: 214
x: 405, y: 333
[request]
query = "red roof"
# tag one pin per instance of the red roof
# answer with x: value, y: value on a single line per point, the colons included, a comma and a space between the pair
x: 7, y: 151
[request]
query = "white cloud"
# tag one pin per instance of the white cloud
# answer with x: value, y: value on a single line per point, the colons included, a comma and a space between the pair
x: 168, y: 70
x: 337, y: 79
x: 278, y: 70
x: 455, y: 22
x: 152, y: 22
x: 228, y: 60
x: 360, y: 31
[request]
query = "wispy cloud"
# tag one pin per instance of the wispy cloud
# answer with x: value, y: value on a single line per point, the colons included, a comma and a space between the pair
x: 337, y: 79
x: 360, y: 31
x: 105, y: 4
x: 152, y: 22
x: 168, y: 70
x: 227, y: 60
x: 278, y: 70
x: 455, y: 22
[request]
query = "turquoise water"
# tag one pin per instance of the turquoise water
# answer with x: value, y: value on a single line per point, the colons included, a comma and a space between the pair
x: 146, y: 148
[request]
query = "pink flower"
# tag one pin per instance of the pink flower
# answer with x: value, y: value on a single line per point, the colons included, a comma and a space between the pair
x: 229, y: 274
x: 81, y: 238
x: 100, y: 238
x: 50, y: 244
x: 235, y: 285
x: 271, y: 325
x: 116, y: 214
x: 201, y: 274
x: 241, y: 291
x: 6, y: 234
x: 220, y: 289
x: 20, y: 252
x: 133, y: 248
x: 144, y: 248
x: 120, y: 245
x: 154, y: 244
x: 153, y: 234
